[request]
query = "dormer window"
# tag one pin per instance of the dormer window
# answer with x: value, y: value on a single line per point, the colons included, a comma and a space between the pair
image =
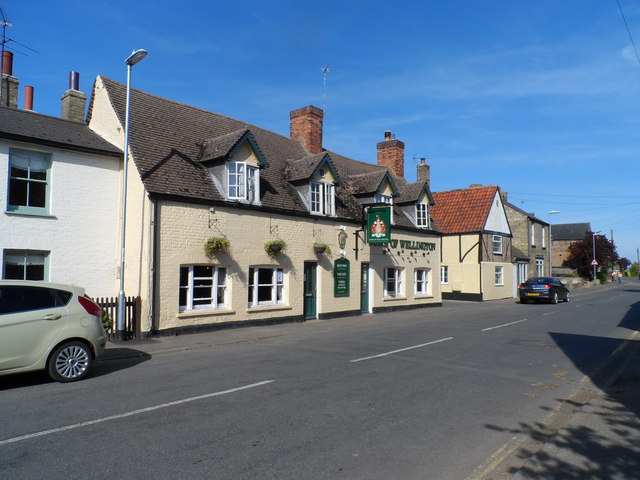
x: 243, y: 181
x: 422, y: 215
x: 321, y: 198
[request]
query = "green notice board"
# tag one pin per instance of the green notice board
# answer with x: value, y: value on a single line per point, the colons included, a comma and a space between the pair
x: 341, y: 276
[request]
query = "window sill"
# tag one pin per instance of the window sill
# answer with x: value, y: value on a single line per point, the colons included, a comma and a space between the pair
x: 204, y: 313
x: 29, y: 214
x: 267, y: 308
x: 390, y: 299
x: 422, y: 297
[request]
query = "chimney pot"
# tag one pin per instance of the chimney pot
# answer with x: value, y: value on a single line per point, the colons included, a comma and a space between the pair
x: 28, y: 97
x: 74, y: 81
x: 7, y: 62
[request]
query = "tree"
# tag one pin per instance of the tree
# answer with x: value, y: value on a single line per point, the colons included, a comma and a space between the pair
x: 624, y: 263
x: 634, y: 270
x: 581, y: 254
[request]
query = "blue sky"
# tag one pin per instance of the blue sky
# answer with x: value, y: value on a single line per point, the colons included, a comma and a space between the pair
x: 541, y: 98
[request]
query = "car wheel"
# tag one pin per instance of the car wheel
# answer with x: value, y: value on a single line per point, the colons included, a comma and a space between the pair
x: 524, y: 300
x: 566, y: 299
x: 554, y: 298
x: 69, y: 362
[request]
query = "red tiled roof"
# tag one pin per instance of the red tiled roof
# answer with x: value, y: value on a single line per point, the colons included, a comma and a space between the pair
x: 463, y: 211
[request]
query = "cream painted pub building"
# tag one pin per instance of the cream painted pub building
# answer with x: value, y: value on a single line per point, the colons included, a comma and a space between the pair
x: 197, y: 176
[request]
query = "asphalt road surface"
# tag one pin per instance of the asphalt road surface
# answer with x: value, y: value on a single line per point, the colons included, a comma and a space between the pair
x: 437, y: 393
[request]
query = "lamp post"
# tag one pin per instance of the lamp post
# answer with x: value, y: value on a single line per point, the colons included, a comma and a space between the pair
x: 551, y: 212
x: 593, y: 242
x: 130, y: 61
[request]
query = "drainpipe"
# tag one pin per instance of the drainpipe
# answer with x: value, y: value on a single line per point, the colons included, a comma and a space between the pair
x: 154, y: 266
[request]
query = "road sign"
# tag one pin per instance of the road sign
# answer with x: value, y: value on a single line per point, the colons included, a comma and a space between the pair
x: 594, y: 262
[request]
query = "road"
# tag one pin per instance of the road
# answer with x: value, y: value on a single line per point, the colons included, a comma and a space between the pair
x: 456, y: 392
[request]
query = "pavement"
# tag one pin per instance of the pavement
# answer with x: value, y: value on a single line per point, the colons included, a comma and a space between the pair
x: 599, y: 439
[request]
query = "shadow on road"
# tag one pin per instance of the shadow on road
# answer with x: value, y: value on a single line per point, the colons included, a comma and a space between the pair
x: 604, y: 443
x: 116, y: 359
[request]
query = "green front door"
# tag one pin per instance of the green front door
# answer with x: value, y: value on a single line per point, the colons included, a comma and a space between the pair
x: 364, y: 288
x: 310, y: 308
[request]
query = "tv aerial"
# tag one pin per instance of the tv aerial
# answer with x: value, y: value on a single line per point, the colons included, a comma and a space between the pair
x: 6, y: 23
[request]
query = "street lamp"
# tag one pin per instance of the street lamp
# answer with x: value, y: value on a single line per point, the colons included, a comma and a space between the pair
x: 551, y: 212
x: 130, y: 61
x: 593, y: 262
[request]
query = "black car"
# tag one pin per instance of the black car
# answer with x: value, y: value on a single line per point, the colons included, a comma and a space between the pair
x: 550, y: 289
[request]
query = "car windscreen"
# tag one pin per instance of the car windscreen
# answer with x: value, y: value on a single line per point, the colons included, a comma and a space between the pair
x: 19, y: 298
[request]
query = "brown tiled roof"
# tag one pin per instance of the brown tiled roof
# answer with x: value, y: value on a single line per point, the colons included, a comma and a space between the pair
x: 32, y: 127
x: 463, y: 211
x: 218, y: 147
x: 303, y: 168
x: 411, y: 192
x: 168, y: 139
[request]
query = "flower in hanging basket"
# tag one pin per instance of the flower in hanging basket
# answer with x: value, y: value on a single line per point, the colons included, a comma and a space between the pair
x: 274, y: 246
x: 216, y: 244
x: 321, y: 248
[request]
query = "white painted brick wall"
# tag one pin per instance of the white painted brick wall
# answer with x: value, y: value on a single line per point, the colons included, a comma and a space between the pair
x: 82, y: 233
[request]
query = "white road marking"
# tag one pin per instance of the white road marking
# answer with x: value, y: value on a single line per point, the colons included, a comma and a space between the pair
x: 401, y: 350
x: 549, y: 313
x: 505, y: 325
x: 129, y: 414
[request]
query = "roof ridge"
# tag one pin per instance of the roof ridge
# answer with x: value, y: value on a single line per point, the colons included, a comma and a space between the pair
x: 468, y: 188
x: 247, y: 125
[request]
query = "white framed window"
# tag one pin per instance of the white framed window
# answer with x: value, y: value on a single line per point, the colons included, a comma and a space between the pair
x: 422, y: 215
x: 539, y: 267
x: 266, y: 286
x: 202, y: 287
x: 444, y: 274
x: 25, y: 265
x: 379, y: 198
x: 499, y: 277
x: 243, y: 181
x: 322, y: 198
x: 544, y: 240
x: 393, y: 282
x: 29, y: 182
x: 422, y: 283
x: 497, y: 244
x: 533, y: 234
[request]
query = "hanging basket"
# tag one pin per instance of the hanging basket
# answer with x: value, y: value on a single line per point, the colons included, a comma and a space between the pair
x: 274, y: 247
x: 321, y: 248
x: 215, y: 245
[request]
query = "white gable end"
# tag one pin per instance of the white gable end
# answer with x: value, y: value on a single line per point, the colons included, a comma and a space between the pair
x: 497, y: 218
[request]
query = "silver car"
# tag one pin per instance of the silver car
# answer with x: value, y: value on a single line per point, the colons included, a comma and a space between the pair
x: 49, y: 326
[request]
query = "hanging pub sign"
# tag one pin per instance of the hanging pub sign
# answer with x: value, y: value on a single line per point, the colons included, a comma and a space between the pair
x: 341, y: 274
x: 378, y: 225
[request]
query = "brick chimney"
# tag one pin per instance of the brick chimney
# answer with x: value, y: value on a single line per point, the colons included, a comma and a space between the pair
x: 424, y: 171
x: 8, y: 83
x: 73, y: 100
x: 306, y: 127
x: 391, y: 154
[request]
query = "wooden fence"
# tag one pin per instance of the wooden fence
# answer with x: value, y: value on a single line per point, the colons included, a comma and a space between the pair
x: 131, y: 318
